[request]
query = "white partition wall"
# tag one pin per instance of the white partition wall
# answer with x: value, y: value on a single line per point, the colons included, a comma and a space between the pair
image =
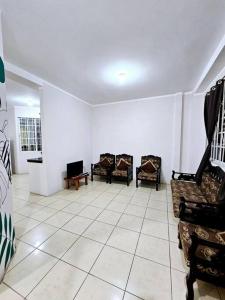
x: 7, y: 234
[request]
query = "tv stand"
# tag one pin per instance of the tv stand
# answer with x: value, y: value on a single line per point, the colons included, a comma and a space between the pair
x: 76, y: 180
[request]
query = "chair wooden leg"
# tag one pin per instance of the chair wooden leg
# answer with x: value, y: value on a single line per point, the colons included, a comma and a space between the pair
x: 128, y: 181
x: 136, y: 183
x: 179, y: 244
x: 190, y: 290
x: 91, y: 176
x: 157, y: 186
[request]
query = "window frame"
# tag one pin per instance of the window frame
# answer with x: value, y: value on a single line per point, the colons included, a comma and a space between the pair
x: 28, y: 134
x: 218, y: 144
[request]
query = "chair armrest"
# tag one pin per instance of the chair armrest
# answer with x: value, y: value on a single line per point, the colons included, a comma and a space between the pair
x: 130, y: 169
x: 95, y: 165
x: 206, y: 214
x: 183, y: 176
x: 138, y: 170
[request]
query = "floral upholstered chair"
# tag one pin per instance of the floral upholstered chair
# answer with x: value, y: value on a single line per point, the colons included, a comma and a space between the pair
x: 123, y: 168
x: 149, y: 170
x: 104, y: 167
x: 204, y: 253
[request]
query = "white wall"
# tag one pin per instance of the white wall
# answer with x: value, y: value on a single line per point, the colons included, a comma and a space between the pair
x: 137, y: 128
x: 193, y: 136
x: 66, y: 134
x: 171, y: 127
x: 19, y: 158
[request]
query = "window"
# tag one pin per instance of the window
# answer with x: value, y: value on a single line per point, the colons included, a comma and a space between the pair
x: 30, y: 134
x: 218, y: 144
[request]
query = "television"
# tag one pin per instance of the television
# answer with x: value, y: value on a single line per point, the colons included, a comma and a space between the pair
x: 74, y: 169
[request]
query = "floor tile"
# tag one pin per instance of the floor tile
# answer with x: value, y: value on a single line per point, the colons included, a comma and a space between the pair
x: 156, y: 215
x: 59, y: 243
x: 118, y: 207
x: 130, y: 297
x: 154, y: 249
x: 17, y: 217
x: 62, y: 282
x: 149, y: 280
x: 96, y: 289
x: 7, y: 294
x: 122, y: 199
x: 83, y: 254
x: 26, y: 275
x: 135, y: 210
x: 173, y: 231
x: 59, y: 204
x: 47, y: 200
x: 38, y: 235
x: 22, y: 250
x: 156, y: 229
x: 29, y: 209
x: 77, y: 225
x: 59, y: 219
x: 101, y: 202
x: 123, y: 239
x: 99, y: 231
x: 24, y: 226
x: 172, y: 220
x: 113, y: 266
x: 90, y: 212
x: 139, y: 201
x: 74, y: 208
x: 160, y: 205
x: 109, y: 217
x: 177, y: 258
x: 43, y: 214
x: 130, y: 222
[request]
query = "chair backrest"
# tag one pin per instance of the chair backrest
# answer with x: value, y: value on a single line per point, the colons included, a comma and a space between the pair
x: 213, y: 184
x: 111, y: 157
x: 156, y: 160
x: 127, y: 157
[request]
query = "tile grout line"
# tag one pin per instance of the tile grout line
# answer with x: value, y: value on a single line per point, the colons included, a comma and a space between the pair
x: 51, y: 255
x: 136, y: 246
x: 68, y: 248
x: 102, y: 209
x: 105, y: 244
x: 171, y: 286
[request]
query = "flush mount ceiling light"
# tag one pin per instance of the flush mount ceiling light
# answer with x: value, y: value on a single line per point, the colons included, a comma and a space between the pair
x: 122, y: 76
x: 123, y: 73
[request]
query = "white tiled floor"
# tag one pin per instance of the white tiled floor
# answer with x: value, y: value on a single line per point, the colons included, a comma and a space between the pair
x: 103, y: 242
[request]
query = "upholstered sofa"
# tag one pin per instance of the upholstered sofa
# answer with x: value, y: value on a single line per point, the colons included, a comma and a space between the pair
x: 203, y: 202
x: 104, y: 167
x: 204, y: 253
x: 123, y: 168
x: 149, y: 170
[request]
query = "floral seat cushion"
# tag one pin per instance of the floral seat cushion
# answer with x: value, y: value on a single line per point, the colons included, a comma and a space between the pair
x: 203, y: 251
x: 119, y: 173
x: 207, y: 192
x: 100, y: 171
x: 147, y: 176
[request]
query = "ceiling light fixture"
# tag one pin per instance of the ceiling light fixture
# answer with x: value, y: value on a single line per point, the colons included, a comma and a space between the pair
x: 123, y: 73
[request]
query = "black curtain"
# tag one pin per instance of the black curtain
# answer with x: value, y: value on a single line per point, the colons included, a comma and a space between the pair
x: 213, y: 101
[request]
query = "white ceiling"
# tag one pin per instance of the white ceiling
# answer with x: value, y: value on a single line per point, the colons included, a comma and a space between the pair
x: 81, y: 45
x: 21, y: 92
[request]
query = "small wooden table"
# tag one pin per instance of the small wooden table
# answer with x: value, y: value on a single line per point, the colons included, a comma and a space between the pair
x: 76, y: 180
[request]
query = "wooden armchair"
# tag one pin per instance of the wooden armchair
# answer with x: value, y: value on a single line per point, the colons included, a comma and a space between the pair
x: 104, y: 167
x: 123, y: 168
x: 149, y: 170
x: 204, y: 253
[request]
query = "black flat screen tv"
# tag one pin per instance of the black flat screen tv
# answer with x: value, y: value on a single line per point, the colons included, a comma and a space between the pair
x: 74, y: 169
